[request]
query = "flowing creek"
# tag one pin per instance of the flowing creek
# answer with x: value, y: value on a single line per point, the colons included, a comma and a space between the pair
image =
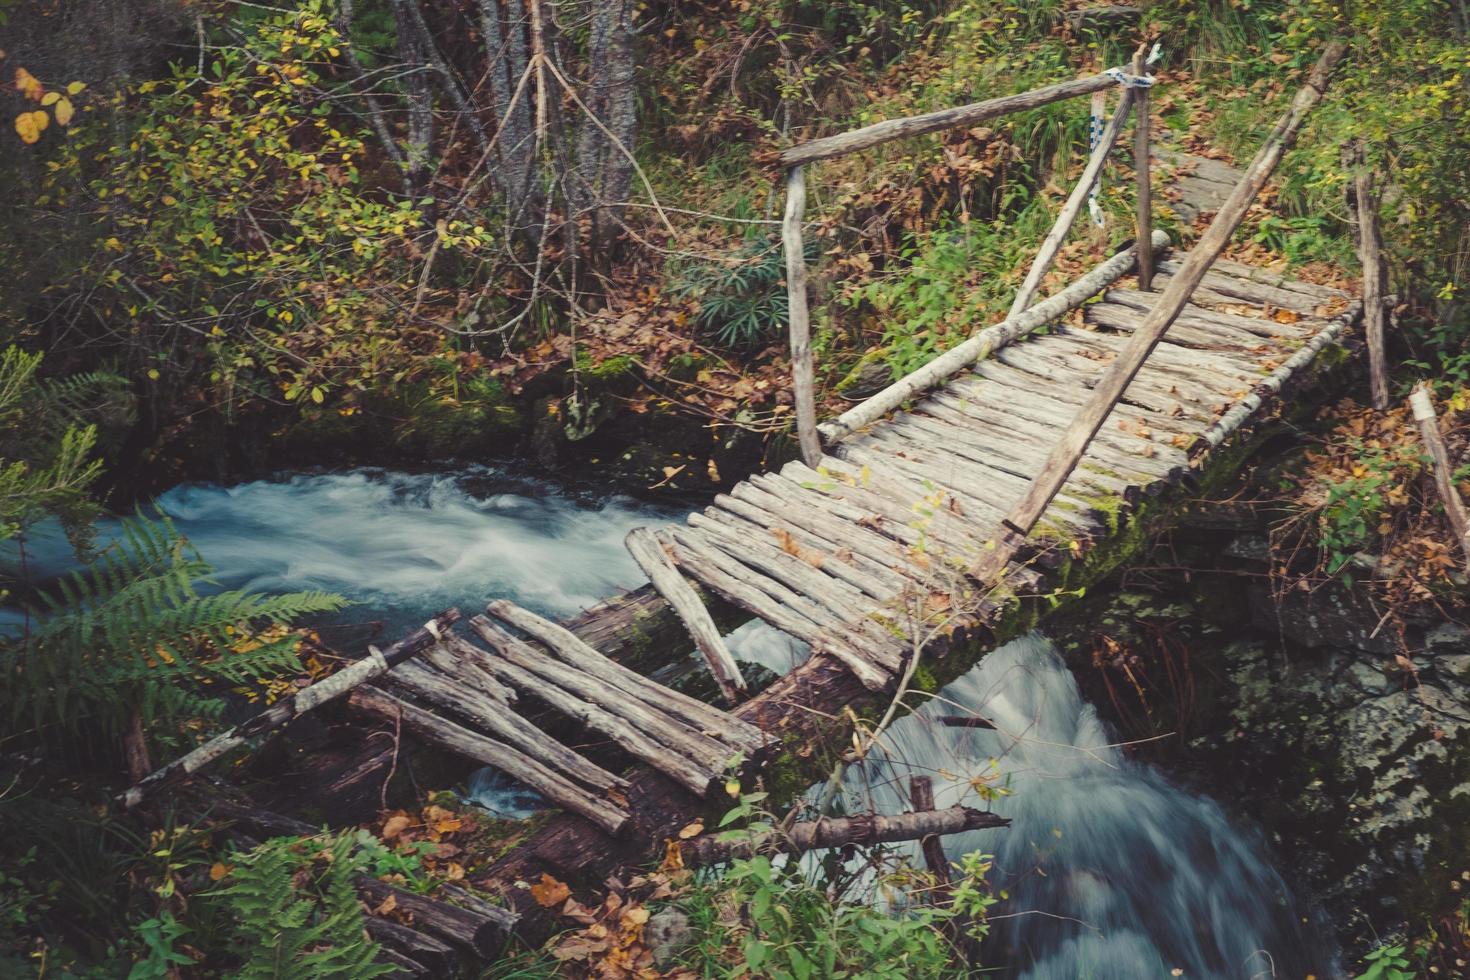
x: 1111, y: 871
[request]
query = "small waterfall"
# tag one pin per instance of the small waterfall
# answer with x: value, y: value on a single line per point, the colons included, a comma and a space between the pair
x: 1112, y: 872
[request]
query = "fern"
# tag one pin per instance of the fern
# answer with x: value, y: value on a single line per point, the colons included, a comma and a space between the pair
x: 130, y: 633
x: 297, y: 915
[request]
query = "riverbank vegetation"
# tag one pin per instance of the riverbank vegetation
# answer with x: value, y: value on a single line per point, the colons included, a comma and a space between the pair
x: 242, y: 237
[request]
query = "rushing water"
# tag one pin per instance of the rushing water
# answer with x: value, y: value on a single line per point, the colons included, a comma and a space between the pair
x: 1111, y: 871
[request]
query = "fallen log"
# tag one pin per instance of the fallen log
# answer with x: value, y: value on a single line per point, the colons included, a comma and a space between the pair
x: 921, y: 795
x: 308, y: 698
x: 484, y: 930
x: 1454, y: 507
x: 829, y: 832
x: 414, y: 952
x: 650, y: 556
x: 446, y: 735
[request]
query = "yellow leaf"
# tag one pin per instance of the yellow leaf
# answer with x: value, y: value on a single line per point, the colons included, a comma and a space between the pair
x: 41, y: 120
x: 550, y: 892
x: 153, y: 374
x: 63, y: 112
x: 50, y: 97
x: 691, y: 830
x: 75, y: 88
x: 28, y: 84
x: 25, y: 125
x: 455, y: 872
x: 218, y: 870
x: 443, y: 826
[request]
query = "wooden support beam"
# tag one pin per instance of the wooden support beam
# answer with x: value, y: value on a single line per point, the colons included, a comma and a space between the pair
x: 982, y: 344
x: 1142, y: 168
x: 1052, y: 244
x: 646, y: 550
x: 1122, y: 370
x: 1375, y: 276
x: 1454, y: 507
x: 282, y: 712
x: 933, y: 122
x: 863, y: 830
x: 803, y: 374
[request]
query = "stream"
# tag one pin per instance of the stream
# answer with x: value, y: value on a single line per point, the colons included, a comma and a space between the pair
x: 1111, y: 871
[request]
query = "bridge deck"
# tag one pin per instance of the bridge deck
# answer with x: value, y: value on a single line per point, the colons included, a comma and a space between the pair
x: 863, y: 557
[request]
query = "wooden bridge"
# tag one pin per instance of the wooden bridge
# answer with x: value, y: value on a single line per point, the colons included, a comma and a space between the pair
x: 919, y: 516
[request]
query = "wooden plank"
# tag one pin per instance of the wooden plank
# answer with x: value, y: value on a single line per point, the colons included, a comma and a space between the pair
x: 1073, y: 443
x: 932, y: 122
x: 487, y: 751
x: 961, y: 356
x: 1269, y: 330
x: 498, y: 720
x: 1186, y: 332
x: 694, y: 713
x: 1142, y: 171
x: 1375, y: 281
x: 644, y: 734
x: 649, y: 555
x: 1245, y: 291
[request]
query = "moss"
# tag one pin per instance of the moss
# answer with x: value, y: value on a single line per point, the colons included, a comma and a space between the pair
x: 615, y: 368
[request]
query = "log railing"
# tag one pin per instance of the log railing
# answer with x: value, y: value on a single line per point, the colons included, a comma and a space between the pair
x: 1023, y: 317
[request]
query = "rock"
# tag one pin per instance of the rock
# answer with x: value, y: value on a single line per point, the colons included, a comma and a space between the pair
x: 1249, y: 547
x: 1328, y: 617
x: 668, y: 934
x: 1449, y: 638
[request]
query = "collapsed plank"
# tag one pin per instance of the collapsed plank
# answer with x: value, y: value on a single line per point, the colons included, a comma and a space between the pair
x: 650, y: 556
x: 436, y: 731
x: 308, y: 698
x: 862, y: 831
x: 691, y: 711
x: 1444, y: 479
x: 643, y: 734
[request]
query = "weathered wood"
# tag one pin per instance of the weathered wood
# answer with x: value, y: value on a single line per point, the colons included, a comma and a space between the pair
x: 704, y: 561
x: 465, y: 661
x: 282, y: 712
x: 418, y: 953
x: 498, y: 720
x: 803, y: 375
x: 1215, y: 287
x: 1454, y: 507
x: 691, y: 711
x: 484, y: 935
x: 644, y: 734
x: 933, y: 122
x: 446, y: 735
x: 921, y: 796
x: 1375, y: 281
x: 962, y: 355
x: 1067, y: 216
x: 1207, y: 319
x: 649, y: 555
x: 864, y: 830
x: 1272, y: 384
x: 1143, y: 208
x: 1125, y: 368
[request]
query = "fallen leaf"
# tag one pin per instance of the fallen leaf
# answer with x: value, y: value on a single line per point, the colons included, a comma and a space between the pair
x: 691, y: 830
x: 395, y: 825
x: 550, y: 892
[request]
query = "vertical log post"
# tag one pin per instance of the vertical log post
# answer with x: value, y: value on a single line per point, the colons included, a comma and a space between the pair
x: 1141, y: 169
x: 802, y: 374
x: 1370, y: 254
x: 1122, y: 370
x: 921, y: 795
x: 1444, y: 479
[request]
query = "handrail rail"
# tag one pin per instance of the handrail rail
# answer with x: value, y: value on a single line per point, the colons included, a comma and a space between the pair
x: 932, y: 122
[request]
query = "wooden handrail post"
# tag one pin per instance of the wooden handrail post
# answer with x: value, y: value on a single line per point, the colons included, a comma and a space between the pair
x: 1439, y: 459
x: 1370, y: 254
x: 1121, y: 371
x: 802, y: 373
x: 1141, y: 168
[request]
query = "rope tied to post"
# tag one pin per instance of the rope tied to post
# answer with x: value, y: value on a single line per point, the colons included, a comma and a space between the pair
x: 1125, y: 79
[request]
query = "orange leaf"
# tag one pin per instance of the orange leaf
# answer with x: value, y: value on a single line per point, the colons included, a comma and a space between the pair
x: 28, y: 84
x: 218, y: 870
x: 395, y: 825
x: 448, y: 826
x: 692, y: 830
x: 63, y: 112
x: 550, y: 892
